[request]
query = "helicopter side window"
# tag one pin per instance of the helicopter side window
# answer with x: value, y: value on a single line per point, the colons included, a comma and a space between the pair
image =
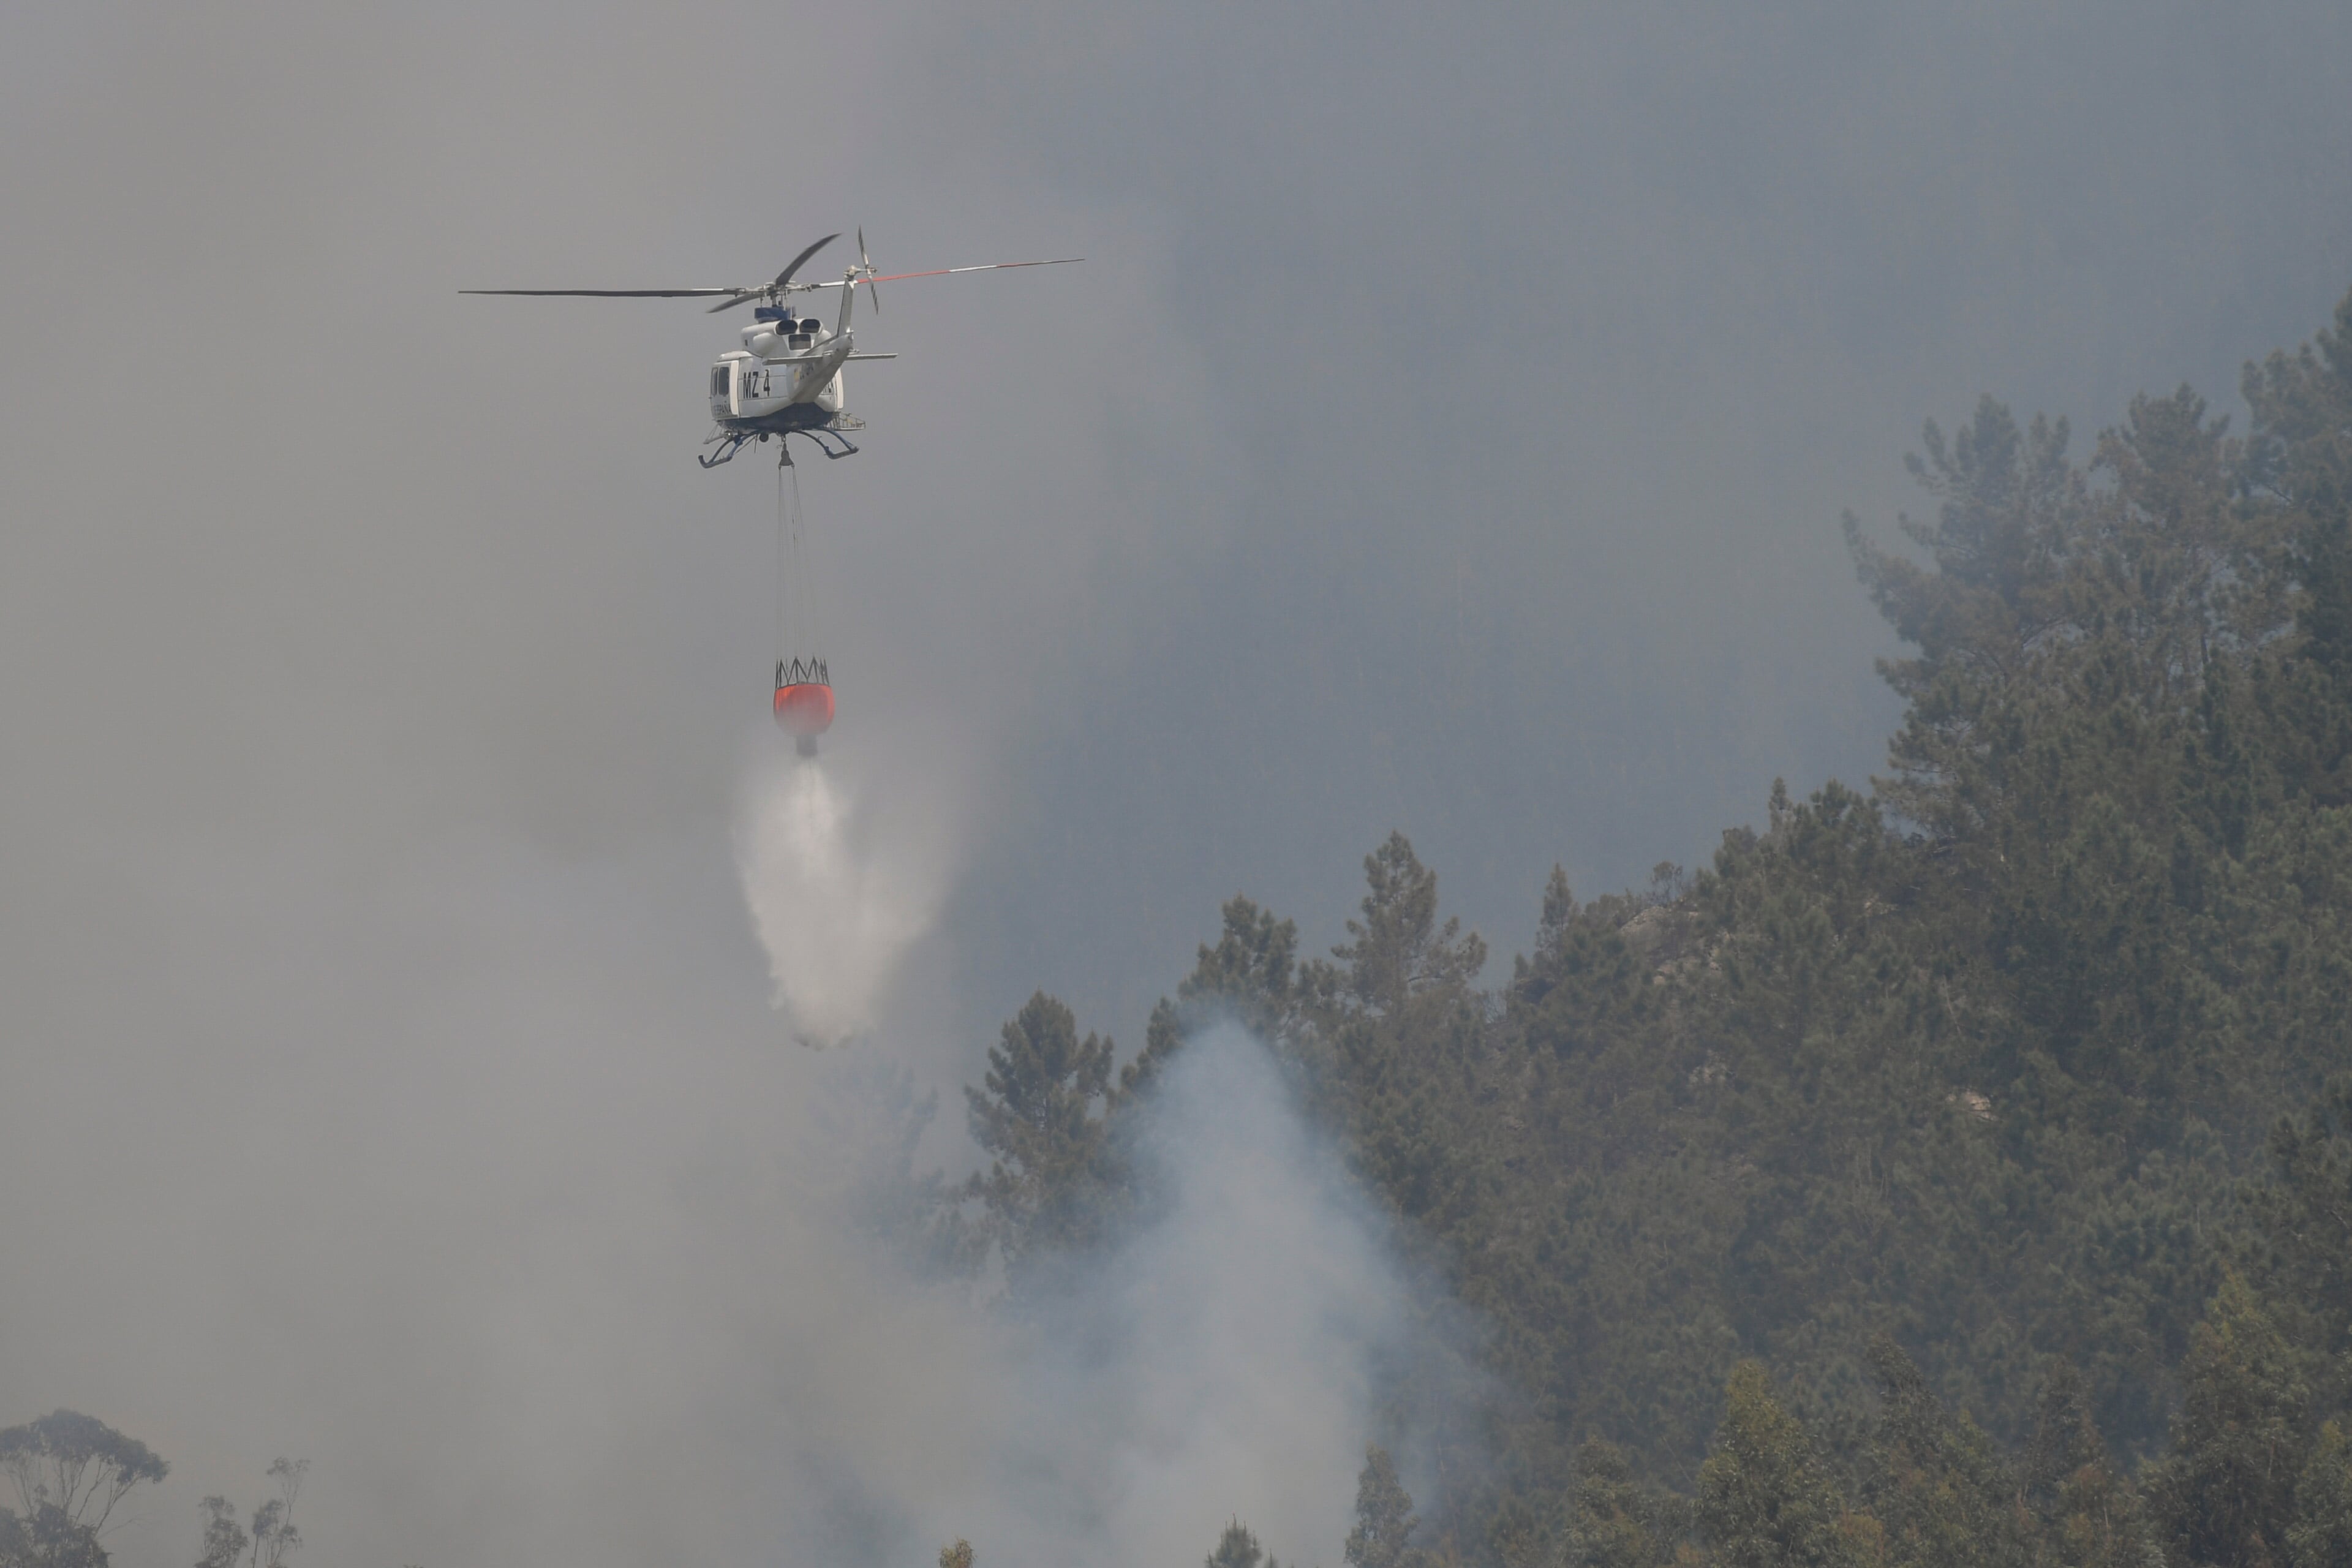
x: 719, y: 381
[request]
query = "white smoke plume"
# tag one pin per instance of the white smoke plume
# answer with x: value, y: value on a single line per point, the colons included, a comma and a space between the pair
x: 835, y: 910
x: 1220, y: 1360
x: 1242, y: 1327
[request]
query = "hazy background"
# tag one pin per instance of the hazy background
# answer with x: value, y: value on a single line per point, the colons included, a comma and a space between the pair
x: 1446, y: 433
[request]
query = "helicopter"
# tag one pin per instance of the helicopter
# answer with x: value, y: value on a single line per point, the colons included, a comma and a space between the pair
x: 786, y: 379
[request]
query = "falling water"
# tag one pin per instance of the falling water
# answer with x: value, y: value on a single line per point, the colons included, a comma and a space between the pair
x: 836, y: 913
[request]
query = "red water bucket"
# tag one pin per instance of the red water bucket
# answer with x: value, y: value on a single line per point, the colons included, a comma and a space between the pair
x: 805, y: 709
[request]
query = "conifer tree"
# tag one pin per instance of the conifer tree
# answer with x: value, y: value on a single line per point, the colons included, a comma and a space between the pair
x: 2223, y: 1496
x: 2089, y: 1511
x: 1037, y: 1120
x: 1939, y: 1487
x: 2321, y: 1535
x: 1764, y: 1499
x: 2300, y: 1245
x: 2299, y: 452
x: 1236, y: 1548
x: 1614, y: 1522
x: 1398, y: 951
x: 1249, y: 978
x: 1382, y: 1537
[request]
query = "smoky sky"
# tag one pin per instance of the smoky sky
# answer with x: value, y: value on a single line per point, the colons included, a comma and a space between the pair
x: 1550, y: 343
x: 1446, y: 432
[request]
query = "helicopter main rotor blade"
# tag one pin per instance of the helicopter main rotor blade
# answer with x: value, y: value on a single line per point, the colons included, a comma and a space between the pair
x: 783, y: 285
x: 730, y: 297
x: 943, y: 271
x: 615, y: 293
x: 794, y: 265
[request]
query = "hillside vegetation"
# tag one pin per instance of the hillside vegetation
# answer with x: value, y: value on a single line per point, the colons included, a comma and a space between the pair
x: 1959, y: 1171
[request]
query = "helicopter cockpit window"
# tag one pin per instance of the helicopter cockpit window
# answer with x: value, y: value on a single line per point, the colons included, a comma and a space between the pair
x: 718, y: 381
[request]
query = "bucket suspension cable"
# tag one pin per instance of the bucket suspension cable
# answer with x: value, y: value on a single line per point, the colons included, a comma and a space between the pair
x: 798, y: 633
x: 803, y: 701
x: 780, y: 565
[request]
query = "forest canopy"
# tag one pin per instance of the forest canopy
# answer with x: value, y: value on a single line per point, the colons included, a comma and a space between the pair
x: 1955, y: 1170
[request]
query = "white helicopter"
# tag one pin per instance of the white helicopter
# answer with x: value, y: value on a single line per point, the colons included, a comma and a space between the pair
x: 785, y: 380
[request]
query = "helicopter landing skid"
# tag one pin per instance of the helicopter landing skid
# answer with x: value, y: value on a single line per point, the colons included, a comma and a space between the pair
x: 816, y: 435
x: 728, y: 445
x: 734, y: 441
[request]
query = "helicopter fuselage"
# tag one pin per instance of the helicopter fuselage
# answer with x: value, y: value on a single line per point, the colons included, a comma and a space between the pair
x: 783, y: 378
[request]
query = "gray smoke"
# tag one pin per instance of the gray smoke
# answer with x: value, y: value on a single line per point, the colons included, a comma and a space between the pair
x: 1221, y: 1359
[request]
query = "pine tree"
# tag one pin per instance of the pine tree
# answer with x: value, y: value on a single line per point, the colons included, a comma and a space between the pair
x: 2321, y: 1535
x: 1249, y: 978
x: 2223, y: 1496
x: 1614, y: 1521
x: 2299, y: 451
x: 1764, y: 1499
x: 1939, y: 1487
x: 1037, y: 1120
x: 1237, y: 1548
x: 1398, y: 951
x: 1382, y: 1537
x: 2300, y: 1241
x: 2090, y: 1513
